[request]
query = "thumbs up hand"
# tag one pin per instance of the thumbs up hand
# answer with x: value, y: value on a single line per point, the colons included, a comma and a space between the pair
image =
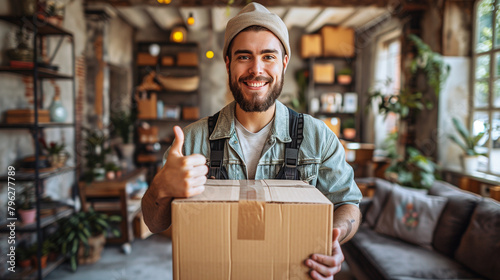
x: 182, y: 176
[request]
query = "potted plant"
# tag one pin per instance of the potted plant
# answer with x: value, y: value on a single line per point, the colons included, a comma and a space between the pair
x: 95, y: 149
x: 416, y: 170
x: 349, y: 128
x: 82, y: 236
x: 56, y: 153
x: 27, y: 211
x: 112, y: 171
x: 45, y: 254
x: 344, y: 76
x: 468, y: 144
x: 23, y: 255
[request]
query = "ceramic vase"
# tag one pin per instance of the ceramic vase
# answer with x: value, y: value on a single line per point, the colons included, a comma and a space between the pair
x: 57, y: 111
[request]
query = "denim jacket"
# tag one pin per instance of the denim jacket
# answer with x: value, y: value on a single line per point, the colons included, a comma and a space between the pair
x: 321, y: 156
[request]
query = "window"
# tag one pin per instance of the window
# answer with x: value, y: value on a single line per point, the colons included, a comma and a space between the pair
x: 387, y: 76
x: 486, y: 82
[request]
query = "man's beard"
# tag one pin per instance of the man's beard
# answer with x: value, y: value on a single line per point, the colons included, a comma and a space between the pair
x: 254, y: 105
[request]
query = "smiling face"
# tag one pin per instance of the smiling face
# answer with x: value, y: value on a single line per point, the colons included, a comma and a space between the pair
x: 256, y: 69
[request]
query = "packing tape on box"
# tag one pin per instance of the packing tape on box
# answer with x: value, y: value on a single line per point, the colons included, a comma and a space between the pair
x: 251, y: 216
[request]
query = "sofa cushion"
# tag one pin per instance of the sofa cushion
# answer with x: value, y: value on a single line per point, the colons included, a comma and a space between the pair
x: 410, y: 216
x: 455, y: 217
x: 383, y: 257
x: 382, y: 189
x: 480, y: 245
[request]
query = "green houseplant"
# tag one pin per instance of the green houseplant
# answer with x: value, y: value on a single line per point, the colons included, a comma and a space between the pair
x: 83, y: 233
x: 468, y: 144
x: 416, y: 170
x: 412, y: 168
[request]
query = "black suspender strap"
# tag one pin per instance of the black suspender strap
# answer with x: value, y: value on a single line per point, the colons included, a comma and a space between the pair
x: 216, y: 169
x: 289, y: 169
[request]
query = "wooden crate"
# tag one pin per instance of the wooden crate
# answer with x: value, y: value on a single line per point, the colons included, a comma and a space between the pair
x: 324, y: 73
x: 146, y: 107
x: 337, y: 41
x: 167, y: 61
x: 311, y: 45
x: 145, y: 59
x: 190, y: 113
x: 187, y: 59
x: 18, y: 116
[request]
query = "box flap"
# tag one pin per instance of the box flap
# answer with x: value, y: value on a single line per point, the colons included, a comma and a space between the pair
x: 278, y: 191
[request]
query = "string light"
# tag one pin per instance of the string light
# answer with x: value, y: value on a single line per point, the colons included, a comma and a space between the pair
x: 209, y: 54
x: 164, y: 1
x: 190, y: 20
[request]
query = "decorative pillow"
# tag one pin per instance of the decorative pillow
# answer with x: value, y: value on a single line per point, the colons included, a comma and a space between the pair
x: 383, y: 190
x: 480, y: 248
x: 410, y: 216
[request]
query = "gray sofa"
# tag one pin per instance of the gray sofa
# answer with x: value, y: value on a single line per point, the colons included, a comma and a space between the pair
x: 464, y: 244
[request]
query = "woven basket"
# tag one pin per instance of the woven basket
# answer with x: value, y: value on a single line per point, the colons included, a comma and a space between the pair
x: 179, y: 83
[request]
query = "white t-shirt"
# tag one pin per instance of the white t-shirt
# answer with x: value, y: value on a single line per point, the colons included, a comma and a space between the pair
x: 252, y: 145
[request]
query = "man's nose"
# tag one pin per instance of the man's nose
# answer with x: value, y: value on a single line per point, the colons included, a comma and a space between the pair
x: 257, y: 67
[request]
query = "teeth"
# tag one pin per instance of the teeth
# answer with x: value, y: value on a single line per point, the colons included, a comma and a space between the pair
x: 256, y: 84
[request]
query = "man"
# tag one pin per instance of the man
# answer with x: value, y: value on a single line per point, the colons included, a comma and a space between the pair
x: 255, y: 129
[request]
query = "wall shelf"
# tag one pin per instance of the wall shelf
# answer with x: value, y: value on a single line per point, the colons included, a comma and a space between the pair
x: 43, y: 73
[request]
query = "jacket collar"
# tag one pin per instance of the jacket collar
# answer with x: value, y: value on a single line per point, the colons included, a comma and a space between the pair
x: 225, y: 124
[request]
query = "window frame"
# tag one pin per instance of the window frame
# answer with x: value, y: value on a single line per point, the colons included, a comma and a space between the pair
x: 489, y: 109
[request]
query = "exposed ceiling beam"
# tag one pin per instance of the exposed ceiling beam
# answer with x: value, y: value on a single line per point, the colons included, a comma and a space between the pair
x: 240, y: 3
x: 136, y: 17
x: 301, y: 16
x: 165, y: 17
x: 333, y: 16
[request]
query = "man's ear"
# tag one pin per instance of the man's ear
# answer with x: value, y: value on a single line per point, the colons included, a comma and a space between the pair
x: 285, y: 62
x: 228, y: 61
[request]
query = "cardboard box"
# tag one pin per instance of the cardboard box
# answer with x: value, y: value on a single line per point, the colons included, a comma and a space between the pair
x: 262, y: 229
x: 146, y: 107
x: 145, y: 59
x: 187, y: 59
x: 324, y: 73
x: 338, y: 41
x: 190, y: 113
x: 167, y: 61
x: 310, y: 45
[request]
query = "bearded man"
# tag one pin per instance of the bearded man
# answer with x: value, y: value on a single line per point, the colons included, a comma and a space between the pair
x: 255, y: 131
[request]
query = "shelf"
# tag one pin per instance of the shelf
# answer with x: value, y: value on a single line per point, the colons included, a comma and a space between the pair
x: 30, y: 176
x: 32, y: 126
x: 31, y: 273
x: 166, y: 120
x: 332, y: 84
x: 172, y: 92
x: 42, y: 72
x: 57, y: 209
x: 43, y: 27
x: 340, y: 114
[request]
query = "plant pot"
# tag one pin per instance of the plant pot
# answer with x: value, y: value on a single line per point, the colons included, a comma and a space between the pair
x: 96, y: 244
x: 470, y: 163
x: 27, y: 216
x: 24, y: 263
x: 344, y: 79
x: 349, y: 133
x: 58, y: 160
x: 43, y: 261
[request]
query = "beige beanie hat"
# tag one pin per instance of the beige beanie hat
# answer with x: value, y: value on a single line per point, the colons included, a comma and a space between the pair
x: 256, y: 14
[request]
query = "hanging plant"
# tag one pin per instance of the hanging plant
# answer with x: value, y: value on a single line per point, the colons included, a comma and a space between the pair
x: 431, y: 63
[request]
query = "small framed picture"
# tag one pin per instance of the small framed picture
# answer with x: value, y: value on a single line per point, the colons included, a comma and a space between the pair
x: 350, y: 102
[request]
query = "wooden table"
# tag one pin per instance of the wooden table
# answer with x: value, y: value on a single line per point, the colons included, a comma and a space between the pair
x: 113, y: 197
